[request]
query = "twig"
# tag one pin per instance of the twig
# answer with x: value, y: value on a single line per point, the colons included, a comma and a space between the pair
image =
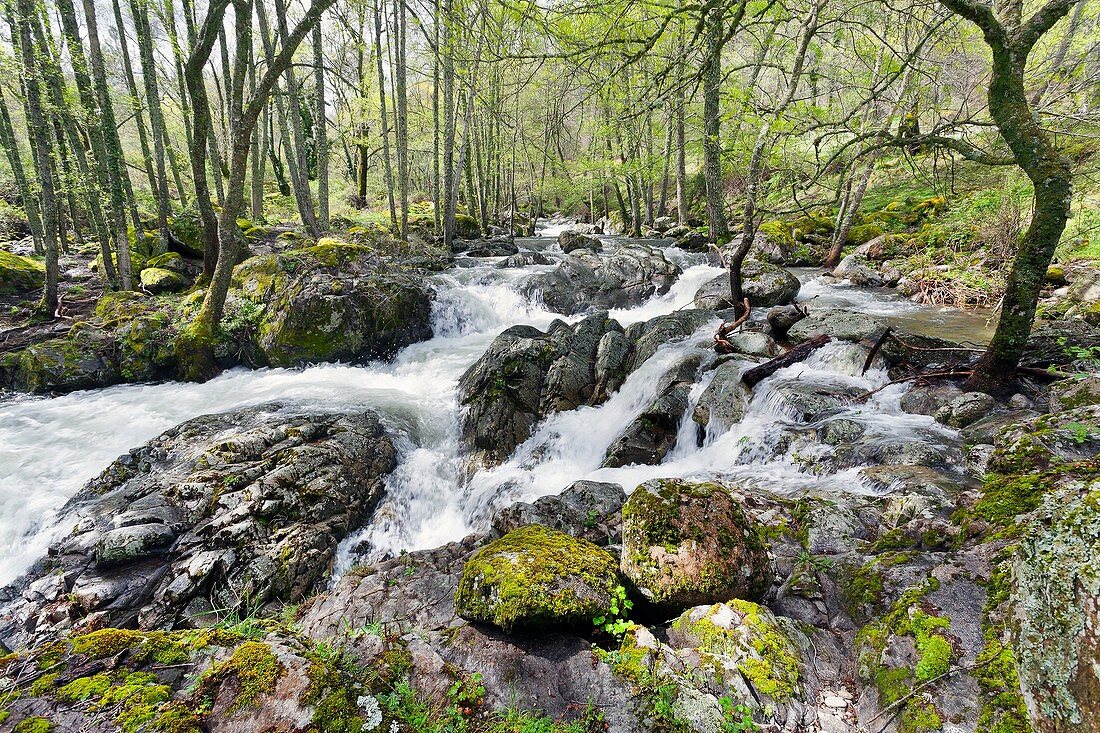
x: 929, y: 375
x: 874, y: 349
x: 721, y: 343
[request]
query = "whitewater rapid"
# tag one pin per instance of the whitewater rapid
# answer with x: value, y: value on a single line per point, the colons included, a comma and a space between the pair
x: 50, y: 446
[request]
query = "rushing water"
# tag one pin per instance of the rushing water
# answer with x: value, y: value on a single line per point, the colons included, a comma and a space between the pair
x: 49, y: 447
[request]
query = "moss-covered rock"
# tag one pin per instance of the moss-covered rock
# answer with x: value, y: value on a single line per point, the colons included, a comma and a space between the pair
x: 169, y: 261
x: 536, y: 578
x: 334, y: 301
x: 20, y: 274
x: 83, y: 359
x: 688, y: 544
x: 744, y: 637
x: 186, y: 227
x: 158, y: 280
x: 1057, y: 616
x: 466, y: 227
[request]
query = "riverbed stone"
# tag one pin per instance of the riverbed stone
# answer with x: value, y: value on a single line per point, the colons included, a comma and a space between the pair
x: 725, y: 399
x: 649, y: 437
x: 965, y: 409
x: 585, y: 280
x: 537, y: 578
x: 572, y: 240
x: 157, y: 280
x: 585, y: 509
x: 222, y: 511
x: 687, y: 544
x: 840, y: 324
x: 764, y: 284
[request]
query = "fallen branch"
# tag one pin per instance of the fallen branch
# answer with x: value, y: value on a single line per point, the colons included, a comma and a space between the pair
x: 913, y: 377
x: 874, y: 349
x: 757, y: 374
x: 721, y: 343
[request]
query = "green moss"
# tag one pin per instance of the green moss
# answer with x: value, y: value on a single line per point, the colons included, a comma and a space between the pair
x: 919, y: 718
x: 83, y: 688
x: 537, y: 577
x: 334, y: 695
x: 34, y: 724
x: 43, y: 684
x: 20, y: 274
x: 256, y: 669
x: 863, y: 233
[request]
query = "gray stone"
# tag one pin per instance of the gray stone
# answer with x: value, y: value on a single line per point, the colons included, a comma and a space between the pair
x: 764, y: 284
x: 965, y: 409
x: 725, y: 398
x: 840, y: 324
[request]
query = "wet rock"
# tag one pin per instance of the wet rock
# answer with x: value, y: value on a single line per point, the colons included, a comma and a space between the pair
x: 649, y: 438
x: 927, y: 399
x: 334, y: 301
x: 491, y: 247
x: 725, y: 399
x: 965, y: 409
x: 224, y: 510
x: 572, y: 240
x: 782, y: 317
x: 527, y: 259
x: 753, y: 343
x: 840, y: 324
x: 585, y: 509
x: 537, y: 578
x: 840, y: 431
x: 20, y: 274
x: 686, y: 544
x: 157, y: 280
x: 859, y: 270
x: 986, y: 430
x: 764, y: 284
x: 693, y: 241
x: 86, y: 358
x: 806, y: 402
x: 527, y: 374
x: 656, y: 332
x: 585, y: 280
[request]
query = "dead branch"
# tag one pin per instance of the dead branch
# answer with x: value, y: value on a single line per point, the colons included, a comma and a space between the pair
x: 874, y: 349
x: 757, y: 374
x: 721, y: 343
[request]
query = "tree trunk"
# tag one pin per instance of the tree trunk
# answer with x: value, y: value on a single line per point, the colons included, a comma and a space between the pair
x: 139, y: 117
x: 40, y: 140
x: 712, y: 146
x: 320, y: 130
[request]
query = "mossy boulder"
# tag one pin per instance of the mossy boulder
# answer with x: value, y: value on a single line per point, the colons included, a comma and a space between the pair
x: 158, y: 280
x: 687, y: 544
x: 83, y: 359
x: 186, y: 227
x: 466, y: 227
x: 20, y: 274
x: 138, y: 260
x: 537, y: 578
x: 1069, y: 394
x: 764, y: 284
x: 169, y: 261
x: 743, y: 637
x: 335, y: 301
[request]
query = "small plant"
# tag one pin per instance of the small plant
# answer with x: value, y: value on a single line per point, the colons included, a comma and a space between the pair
x: 735, y: 718
x: 591, y: 519
x: 467, y: 694
x: 1079, y: 432
x: 615, y: 622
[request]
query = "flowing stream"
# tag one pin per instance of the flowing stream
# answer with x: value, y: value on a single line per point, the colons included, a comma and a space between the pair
x: 50, y: 446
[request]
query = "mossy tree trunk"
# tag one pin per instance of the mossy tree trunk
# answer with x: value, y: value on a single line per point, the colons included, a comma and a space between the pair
x: 195, y: 344
x: 712, y: 146
x: 1011, y: 42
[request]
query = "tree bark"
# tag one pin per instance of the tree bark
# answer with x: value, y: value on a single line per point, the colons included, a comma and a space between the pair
x: 320, y: 130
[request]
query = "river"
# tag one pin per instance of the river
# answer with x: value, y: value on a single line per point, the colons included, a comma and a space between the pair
x: 50, y: 446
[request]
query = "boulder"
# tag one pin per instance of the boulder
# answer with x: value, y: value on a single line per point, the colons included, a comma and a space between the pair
x: 85, y: 358
x: 840, y: 324
x: 157, y: 280
x: 742, y: 636
x: 537, y: 578
x: 1085, y: 287
x: 965, y: 409
x: 585, y: 509
x: 526, y: 259
x: 169, y: 261
x: 664, y: 223
x: 650, y: 436
x: 586, y: 281
x: 927, y: 399
x: 573, y: 240
x: 20, y: 274
x: 491, y: 247
x: 333, y: 302
x: 764, y: 284
x: 1069, y: 394
x: 782, y: 317
x: 466, y: 227
x: 687, y: 544
x: 725, y: 399
x: 1061, y: 342
x: 222, y: 514
x: 858, y: 270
